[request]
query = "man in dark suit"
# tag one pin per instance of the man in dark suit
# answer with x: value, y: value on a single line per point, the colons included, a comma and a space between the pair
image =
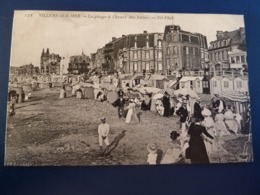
x: 120, y: 103
x: 197, y: 109
x: 219, y: 105
x: 184, y: 115
x: 166, y: 104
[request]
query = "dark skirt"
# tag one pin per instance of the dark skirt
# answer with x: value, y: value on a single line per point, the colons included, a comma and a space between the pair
x: 198, y: 152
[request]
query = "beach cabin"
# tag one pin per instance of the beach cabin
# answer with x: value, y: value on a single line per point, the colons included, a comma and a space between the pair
x: 215, y: 85
x: 239, y: 101
x: 206, y: 85
x: 227, y: 84
x: 138, y: 80
x: 159, y: 81
x: 126, y: 80
x: 198, y: 87
x: 191, y: 83
x: 241, y: 84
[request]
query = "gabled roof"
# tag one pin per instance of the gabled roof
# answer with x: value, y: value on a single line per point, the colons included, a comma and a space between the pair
x: 127, y: 77
x: 190, y: 78
x: 245, y: 78
x: 229, y: 78
x: 217, y: 78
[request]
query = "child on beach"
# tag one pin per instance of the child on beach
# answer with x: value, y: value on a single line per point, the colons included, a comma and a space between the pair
x: 152, y: 156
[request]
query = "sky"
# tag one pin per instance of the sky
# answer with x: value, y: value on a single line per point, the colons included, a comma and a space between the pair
x: 71, y: 33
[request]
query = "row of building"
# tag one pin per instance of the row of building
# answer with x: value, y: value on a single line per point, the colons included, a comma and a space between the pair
x: 174, y: 50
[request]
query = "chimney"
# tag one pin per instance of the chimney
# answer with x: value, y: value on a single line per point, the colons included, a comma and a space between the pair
x: 145, y: 32
x: 113, y: 38
x: 123, y: 35
x: 220, y: 34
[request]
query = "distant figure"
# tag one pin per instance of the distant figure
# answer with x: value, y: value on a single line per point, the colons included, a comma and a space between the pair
x: 131, y: 112
x: 178, y: 105
x: 103, y: 131
x: 231, y: 123
x: 11, y: 105
x: 120, y: 104
x: 219, y: 105
x: 197, y: 109
x: 152, y: 156
x: 120, y: 93
x: 166, y: 104
x: 184, y: 115
x: 220, y: 125
x: 197, y: 150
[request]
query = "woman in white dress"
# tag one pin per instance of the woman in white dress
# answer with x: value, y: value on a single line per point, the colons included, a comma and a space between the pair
x: 131, y: 112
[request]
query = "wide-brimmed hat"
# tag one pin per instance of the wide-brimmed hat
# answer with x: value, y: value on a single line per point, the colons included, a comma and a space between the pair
x: 152, y: 148
x: 206, y: 112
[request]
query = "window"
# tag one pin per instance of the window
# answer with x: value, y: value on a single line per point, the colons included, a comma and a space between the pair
x: 232, y: 60
x: 168, y: 50
x: 237, y: 59
x: 193, y: 50
x: 147, y: 67
x: 243, y: 59
x: 215, y: 84
x: 175, y: 38
x: 205, y: 84
x: 198, y: 84
x: 135, y: 66
x: 239, y: 84
x: 226, y: 84
x: 135, y: 55
x: 159, y: 54
x: 159, y: 43
x: 159, y: 66
x: 175, y: 50
x: 147, y: 54
x: 187, y: 50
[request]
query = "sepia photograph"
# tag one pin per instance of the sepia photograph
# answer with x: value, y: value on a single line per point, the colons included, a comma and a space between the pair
x: 126, y: 88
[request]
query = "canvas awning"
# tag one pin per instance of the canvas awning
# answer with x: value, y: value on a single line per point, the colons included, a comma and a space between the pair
x: 234, y: 96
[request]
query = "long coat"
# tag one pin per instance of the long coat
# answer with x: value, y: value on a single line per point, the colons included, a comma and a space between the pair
x: 167, y: 105
x: 198, y: 153
x: 197, y: 110
x: 183, y: 113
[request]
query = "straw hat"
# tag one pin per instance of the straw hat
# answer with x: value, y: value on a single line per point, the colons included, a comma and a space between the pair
x: 206, y: 112
x: 152, y: 148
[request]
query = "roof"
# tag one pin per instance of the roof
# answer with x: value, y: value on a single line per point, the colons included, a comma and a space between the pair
x: 139, y: 77
x: 127, y: 77
x: 234, y: 96
x: 158, y: 77
x: 185, y: 79
x: 217, y: 78
x: 245, y: 78
x: 171, y: 77
x: 229, y: 78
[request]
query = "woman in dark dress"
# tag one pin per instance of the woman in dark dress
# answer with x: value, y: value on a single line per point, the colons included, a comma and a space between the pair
x: 197, y: 149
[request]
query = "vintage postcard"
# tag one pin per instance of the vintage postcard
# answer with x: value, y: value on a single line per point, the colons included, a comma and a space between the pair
x: 111, y: 88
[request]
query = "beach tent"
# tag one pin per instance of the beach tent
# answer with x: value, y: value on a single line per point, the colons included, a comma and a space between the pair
x: 239, y: 101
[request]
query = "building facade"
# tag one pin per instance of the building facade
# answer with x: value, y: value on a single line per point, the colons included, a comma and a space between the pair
x: 183, y: 51
x: 228, y: 51
x: 79, y: 64
x: 50, y: 63
x: 26, y: 70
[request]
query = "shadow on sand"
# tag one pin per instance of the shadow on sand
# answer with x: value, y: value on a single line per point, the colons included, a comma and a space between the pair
x: 114, y: 143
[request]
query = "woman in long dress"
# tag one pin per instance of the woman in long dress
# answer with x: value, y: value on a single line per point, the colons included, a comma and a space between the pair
x: 197, y: 149
x: 131, y: 112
